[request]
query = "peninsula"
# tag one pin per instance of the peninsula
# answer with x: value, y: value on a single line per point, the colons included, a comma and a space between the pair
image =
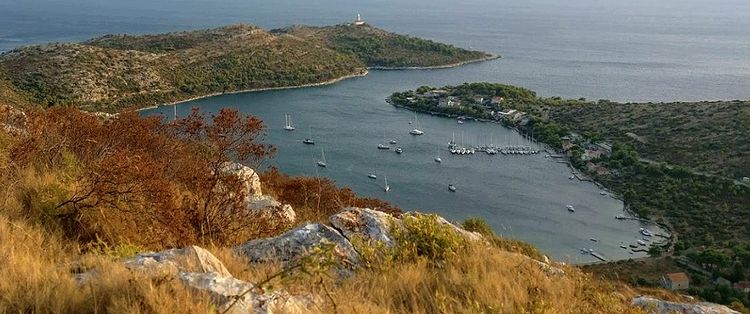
x: 114, y: 72
x: 684, y: 165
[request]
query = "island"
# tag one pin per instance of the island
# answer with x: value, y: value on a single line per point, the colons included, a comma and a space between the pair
x: 114, y: 72
x: 684, y: 165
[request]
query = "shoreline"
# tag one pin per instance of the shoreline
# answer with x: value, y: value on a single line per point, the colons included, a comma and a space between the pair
x: 362, y: 73
x: 671, y: 235
x: 435, y: 67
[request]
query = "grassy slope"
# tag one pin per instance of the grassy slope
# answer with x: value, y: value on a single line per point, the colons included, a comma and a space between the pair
x: 114, y: 72
x: 379, y: 48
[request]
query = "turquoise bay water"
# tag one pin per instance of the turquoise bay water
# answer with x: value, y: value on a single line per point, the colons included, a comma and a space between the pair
x: 637, y: 50
x: 520, y: 196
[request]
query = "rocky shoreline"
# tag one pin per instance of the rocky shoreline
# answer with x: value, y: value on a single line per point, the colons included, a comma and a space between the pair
x: 447, y: 66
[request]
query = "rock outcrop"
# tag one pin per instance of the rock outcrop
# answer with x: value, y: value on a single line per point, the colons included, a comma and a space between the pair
x: 368, y: 224
x: 250, y: 179
x: 654, y: 305
x: 297, y: 243
x: 201, y: 271
x: 272, y: 210
x: 187, y: 259
x: 12, y: 120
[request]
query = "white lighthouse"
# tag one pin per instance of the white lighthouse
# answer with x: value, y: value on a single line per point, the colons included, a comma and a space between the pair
x: 359, y: 20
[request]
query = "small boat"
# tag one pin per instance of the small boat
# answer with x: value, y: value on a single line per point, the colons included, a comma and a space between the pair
x: 570, y: 208
x: 621, y: 217
x: 386, y: 187
x: 288, y: 124
x: 383, y: 146
x: 602, y: 193
x: 399, y: 150
x: 584, y: 251
x: 416, y: 130
x: 372, y: 176
x: 322, y: 161
x: 646, y: 232
x: 452, y: 187
x: 624, y: 246
x: 393, y: 142
x: 571, y: 177
x: 309, y: 140
x: 437, y: 158
x: 634, y: 246
x: 594, y: 239
x: 645, y: 239
x: 641, y: 243
x: 460, y: 121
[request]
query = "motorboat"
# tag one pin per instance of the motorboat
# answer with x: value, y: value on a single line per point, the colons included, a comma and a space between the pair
x: 399, y: 150
x: 451, y: 187
x: 570, y: 208
x: 372, y: 176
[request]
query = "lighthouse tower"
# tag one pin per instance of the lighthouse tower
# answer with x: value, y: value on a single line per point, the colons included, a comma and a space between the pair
x: 359, y: 20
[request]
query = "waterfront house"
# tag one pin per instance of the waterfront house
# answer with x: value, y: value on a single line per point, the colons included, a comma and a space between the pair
x: 676, y: 281
x: 742, y: 286
x: 447, y: 102
x: 497, y: 100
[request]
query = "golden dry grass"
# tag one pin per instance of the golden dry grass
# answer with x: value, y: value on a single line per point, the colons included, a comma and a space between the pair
x: 37, y: 277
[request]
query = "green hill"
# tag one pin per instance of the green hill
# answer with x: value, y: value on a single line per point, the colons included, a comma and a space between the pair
x: 118, y: 71
x: 113, y: 72
x: 382, y: 49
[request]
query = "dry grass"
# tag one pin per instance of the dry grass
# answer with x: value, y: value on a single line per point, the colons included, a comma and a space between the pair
x: 37, y: 270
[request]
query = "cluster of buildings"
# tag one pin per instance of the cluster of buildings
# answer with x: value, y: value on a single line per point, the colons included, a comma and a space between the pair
x: 492, y: 105
x: 681, y: 281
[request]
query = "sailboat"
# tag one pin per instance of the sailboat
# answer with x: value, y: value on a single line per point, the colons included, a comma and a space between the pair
x: 322, y: 162
x: 386, y: 188
x: 437, y: 158
x: 383, y: 146
x: 416, y: 130
x: 309, y: 140
x: 288, y: 124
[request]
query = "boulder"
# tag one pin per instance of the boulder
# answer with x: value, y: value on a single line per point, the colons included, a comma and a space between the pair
x: 224, y: 290
x: 271, y: 209
x: 232, y: 295
x: 187, y: 259
x: 248, y: 176
x: 296, y: 243
x: 654, y: 305
x: 371, y: 225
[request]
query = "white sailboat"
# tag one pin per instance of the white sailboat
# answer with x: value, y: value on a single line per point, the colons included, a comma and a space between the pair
x: 322, y: 161
x: 437, y: 158
x: 416, y: 130
x: 309, y: 140
x: 288, y: 124
x: 386, y: 187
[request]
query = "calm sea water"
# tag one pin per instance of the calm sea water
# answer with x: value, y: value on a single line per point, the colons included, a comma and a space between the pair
x: 621, y: 50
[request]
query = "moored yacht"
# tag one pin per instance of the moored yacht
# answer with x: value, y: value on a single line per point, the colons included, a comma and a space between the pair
x: 570, y: 208
x: 288, y: 124
x: 322, y: 161
x: 451, y: 187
